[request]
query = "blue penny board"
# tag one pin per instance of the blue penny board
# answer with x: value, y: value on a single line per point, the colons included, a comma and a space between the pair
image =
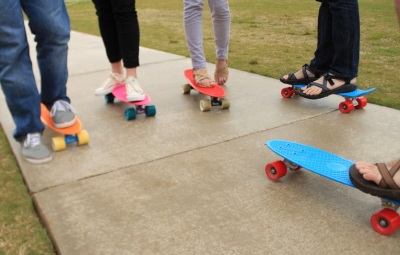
x: 354, y: 94
x: 315, y: 160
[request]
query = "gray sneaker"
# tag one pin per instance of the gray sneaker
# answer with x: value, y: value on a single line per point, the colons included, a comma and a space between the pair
x: 63, y: 114
x: 34, y: 151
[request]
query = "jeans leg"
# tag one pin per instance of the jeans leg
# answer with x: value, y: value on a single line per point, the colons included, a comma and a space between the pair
x: 221, y: 19
x: 16, y: 75
x: 49, y: 22
x: 193, y: 12
x: 324, y: 53
x: 346, y: 38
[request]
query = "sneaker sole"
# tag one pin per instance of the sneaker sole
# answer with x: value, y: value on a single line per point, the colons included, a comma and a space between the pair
x: 108, y: 91
x: 39, y: 161
x: 65, y: 124
x: 135, y: 98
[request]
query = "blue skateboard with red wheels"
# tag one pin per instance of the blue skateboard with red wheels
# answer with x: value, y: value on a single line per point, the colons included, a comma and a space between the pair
x: 296, y: 156
x: 353, y: 100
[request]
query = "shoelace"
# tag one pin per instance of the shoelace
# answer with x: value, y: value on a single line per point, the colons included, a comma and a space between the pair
x: 32, y: 140
x: 61, y: 105
x: 135, y: 85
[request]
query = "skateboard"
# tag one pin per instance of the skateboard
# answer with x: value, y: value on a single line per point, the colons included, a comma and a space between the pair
x: 330, y: 166
x: 140, y: 107
x: 216, y: 93
x: 72, y: 134
x: 353, y: 100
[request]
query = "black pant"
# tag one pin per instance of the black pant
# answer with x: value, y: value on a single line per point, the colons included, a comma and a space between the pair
x: 119, y: 28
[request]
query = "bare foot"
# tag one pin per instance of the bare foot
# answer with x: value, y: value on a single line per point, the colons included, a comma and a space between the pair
x: 315, y: 90
x: 221, y: 71
x: 202, y: 77
x: 371, y: 172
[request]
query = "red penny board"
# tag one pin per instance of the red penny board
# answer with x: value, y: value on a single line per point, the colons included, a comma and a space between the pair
x: 214, y: 91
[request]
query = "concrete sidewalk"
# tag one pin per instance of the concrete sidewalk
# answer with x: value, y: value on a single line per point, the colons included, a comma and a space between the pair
x: 188, y: 182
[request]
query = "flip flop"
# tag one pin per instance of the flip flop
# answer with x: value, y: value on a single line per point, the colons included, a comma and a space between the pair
x: 387, y: 188
x: 347, y: 87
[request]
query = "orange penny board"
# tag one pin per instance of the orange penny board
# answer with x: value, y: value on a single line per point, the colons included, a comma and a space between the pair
x: 48, y: 121
x: 214, y: 91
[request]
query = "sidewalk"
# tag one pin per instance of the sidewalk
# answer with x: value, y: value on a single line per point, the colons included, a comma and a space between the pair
x: 188, y: 182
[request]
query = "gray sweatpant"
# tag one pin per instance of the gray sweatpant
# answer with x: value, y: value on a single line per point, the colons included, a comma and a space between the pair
x: 221, y: 19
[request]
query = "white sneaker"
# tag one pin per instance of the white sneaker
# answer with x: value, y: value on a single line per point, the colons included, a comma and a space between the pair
x: 113, y: 81
x: 133, y: 90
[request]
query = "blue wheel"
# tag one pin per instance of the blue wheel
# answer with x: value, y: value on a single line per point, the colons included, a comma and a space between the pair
x: 150, y: 110
x: 109, y: 98
x: 130, y: 114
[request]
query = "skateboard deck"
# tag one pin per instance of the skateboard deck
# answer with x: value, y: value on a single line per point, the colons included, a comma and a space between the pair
x: 216, y: 93
x: 353, y: 100
x: 72, y: 134
x: 140, y: 107
x: 330, y: 166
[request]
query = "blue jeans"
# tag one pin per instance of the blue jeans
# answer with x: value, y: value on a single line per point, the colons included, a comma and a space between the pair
x: 49, y: 22
x: 338, y: 49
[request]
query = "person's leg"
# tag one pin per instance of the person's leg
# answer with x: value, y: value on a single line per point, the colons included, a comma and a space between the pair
x: 18, y: 83
x: 49, y: 22
x: 109, y: 34
x: 16, y: 75
x: 322, y: 55
x: 192, y: 16
x: 126, y: 19
x: 221, y: 19
x: 345, y: 38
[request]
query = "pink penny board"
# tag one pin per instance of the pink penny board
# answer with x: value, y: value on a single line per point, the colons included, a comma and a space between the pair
x: 120, y: 93
x: 214, y: 91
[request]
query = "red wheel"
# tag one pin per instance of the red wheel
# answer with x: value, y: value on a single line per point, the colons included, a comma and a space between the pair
x: 386, y: 221
x: 276, y: 170
x: 362, y: 102
x: 287, y: 92
x: 346, y: 106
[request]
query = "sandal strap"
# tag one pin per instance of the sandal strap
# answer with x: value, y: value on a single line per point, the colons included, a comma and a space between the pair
x: 387, y: 175
x: 201, y: 74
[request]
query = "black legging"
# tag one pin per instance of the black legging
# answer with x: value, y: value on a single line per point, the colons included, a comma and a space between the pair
x: 119, y: 28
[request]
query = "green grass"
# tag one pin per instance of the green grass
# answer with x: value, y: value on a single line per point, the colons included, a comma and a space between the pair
x: 268, y: 37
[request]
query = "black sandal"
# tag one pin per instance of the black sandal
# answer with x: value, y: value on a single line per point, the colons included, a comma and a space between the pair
x: 346, y: 87
x: 292, y: 80
x: 387, y: 188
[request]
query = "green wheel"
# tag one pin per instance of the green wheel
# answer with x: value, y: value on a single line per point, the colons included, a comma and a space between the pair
x: 109, y: 98
x: 150, y: 110
x: 130, y: 114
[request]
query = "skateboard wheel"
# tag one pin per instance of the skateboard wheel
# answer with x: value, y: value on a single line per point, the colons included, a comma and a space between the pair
x: 150, y: 110
x: 346, y: 106
x: 130, y: 114
x: 186, y: 88
x: 276, y: 170
x: 83, y: 137
x: 225, y: 103
x: 361, y: 102
x: 205, y: 105
x: 287, y: 92
x: 58, y: 143
x: 109, y: 98
x: 385, y: 221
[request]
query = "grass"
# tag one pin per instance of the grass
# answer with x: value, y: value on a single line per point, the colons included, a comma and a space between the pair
x: 268, y: 37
